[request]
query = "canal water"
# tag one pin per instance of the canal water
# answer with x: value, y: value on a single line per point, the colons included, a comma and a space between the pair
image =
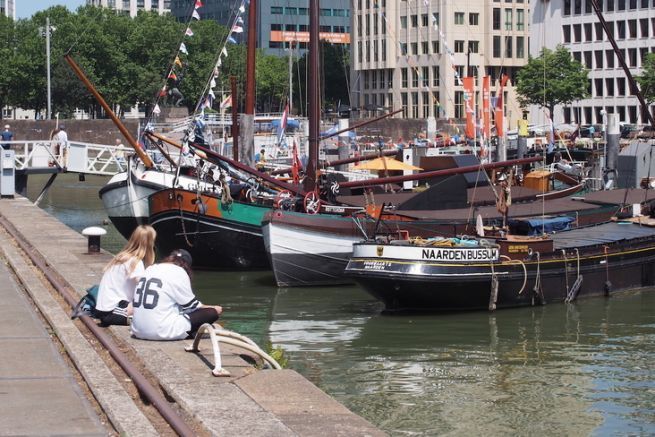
x: 555, y: 370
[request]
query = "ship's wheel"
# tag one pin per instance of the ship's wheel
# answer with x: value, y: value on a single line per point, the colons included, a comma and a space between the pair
x: 312, y: 203
x: 281, y: 199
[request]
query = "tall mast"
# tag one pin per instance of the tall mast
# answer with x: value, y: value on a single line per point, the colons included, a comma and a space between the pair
x: 247, y: 125
x: 314, y: 112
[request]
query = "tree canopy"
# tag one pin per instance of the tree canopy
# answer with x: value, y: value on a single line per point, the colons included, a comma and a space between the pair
x: 647, y: 78
x: 552, y: 78
x: 127, y: 59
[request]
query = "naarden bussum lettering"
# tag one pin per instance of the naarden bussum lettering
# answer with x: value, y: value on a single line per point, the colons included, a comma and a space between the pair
x: 485, y: 254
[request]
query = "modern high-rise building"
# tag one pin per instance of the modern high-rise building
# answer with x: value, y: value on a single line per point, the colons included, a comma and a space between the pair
x: 279, y: 23
x: 132, y: 7
x: 575, y: 25
x: 408, y: 53
x: 8, y: 8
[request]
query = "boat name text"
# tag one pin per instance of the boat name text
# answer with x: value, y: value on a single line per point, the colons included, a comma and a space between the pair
x: 468, y: 254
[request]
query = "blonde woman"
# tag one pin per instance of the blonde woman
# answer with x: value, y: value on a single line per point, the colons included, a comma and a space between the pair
x: 121, y: 275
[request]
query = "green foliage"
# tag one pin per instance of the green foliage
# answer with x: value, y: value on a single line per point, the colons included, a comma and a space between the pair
x: 551, y: 79
x: 647, y: 78
x: 278, y: 354
x: 127, y: 59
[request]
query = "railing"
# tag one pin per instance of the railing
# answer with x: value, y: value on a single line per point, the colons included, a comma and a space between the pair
x: 78, y: 157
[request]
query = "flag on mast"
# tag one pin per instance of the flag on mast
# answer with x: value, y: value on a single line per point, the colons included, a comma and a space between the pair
x: 283, y: 123
x: 227, y: 102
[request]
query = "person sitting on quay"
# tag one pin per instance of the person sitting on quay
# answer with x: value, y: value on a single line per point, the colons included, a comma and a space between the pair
x: 165, y: 307
x: 7, y: 135
x: 121, y: 276
x: 260, y: 160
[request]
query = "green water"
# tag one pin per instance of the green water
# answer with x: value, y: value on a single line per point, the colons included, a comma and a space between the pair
x: 585, y: 369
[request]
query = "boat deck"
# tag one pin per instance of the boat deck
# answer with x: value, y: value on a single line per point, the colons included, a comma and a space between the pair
x: 605, y: 233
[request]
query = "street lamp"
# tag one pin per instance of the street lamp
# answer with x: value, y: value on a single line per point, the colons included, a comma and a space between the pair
x: 47, y: 31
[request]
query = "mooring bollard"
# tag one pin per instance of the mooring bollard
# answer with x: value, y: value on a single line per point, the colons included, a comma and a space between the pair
x: 94, y: 233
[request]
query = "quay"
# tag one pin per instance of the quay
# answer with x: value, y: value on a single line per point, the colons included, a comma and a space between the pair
x: 39, y: 393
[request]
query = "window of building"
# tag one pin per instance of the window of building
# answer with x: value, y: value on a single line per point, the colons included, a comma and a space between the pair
x: 508, y: 19
x: 566, y: 33
x: 598, y: 84
x: 632, y: 57
x: 403, y: 78
x: 414, y: 46
x: 609, y: 57
x: 632, y: 28
x: 610, y: 5
x: 520, y: 47
x: 633, y: 4
x: 435, y: 76
x: 567, y: 8
x: 632, y: 110
x: 426, y: 104
x: 459, y: 17
x: 474, y: 18
x: 459, y: 46
x: 277, y: 10
x: 577, y: 7
x: 460, y: 72
x: 414, y: 20
x: 598, y: 55
x: 577, y: 33
x: 276, y: 26
x: 425, y: 48
x: 496, y: 19
x: 459, y: 104
x: 609, y: 86
x: 600, y: 33
x: 326, y: 12
x: 326, y: 29
x: 587, y: 60
x: 375, y: 24
x: 374, y: 80
x: 474, y: 46
x: 424, y: 20
x: 435, y: 47
x: 375, y: 50
x: 435, y: 18
x: 403, y: 22
x: 305, y: 11
x: 577, y: 56
x: 520, y: 19
x: 643, y: 27
x: 384, y: 50
x: 414, y: 78
x: 620, y: 29
x: 425, y: 76
x: 367, y: 28
x: 403, y: 48
x: 366, y: 80
x: 368, y: 51
x: 508, y: 47
x: 621, y: 5
x: 414, y: 105
x: 359, y: 25
x: 339, y: 13
x: 588, y: 37
x: 291, y: 11
x: 643, y: 52
x: 496, y: 46
x: 620, y: 86
x: 644, y: 4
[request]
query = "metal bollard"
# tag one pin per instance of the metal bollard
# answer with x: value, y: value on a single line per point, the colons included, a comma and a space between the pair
x: 93, y: 233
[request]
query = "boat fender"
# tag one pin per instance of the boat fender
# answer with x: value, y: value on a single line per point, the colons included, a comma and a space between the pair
x: 608, y: 288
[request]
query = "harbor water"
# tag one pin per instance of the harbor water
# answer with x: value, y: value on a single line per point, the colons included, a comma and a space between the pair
x: 557, y: 370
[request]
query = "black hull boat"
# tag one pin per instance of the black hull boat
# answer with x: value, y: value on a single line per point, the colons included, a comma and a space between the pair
x: 217, y: 235
x: 454, y: 275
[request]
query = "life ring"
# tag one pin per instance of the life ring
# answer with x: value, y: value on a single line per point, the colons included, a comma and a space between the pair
x: 312, y: 203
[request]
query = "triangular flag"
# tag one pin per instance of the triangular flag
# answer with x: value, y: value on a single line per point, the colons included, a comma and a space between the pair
x: 188, y: 32
x: 227, y: 102
x: 195, y: 15
x: 211, y: 94
x: 237, y: 29
x: 212, y: 83
x: 156, y: 110
x: 163, y: 91
x: 177, y: 61
x: 183, y: 49
x: 224, y: 51
x: 242, y: 9
x: 172, y: 75
x: 198, y: 4
x: 231, y: 39
x: 239, y: 20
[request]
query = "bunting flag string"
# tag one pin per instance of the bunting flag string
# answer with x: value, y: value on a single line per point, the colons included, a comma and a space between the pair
x: 189, y: 32
x: 183, y: 49
x: 195, y: 14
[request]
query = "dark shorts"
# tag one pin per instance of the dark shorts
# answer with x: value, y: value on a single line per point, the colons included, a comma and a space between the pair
x: 116, y: 317
x: 200, y: 317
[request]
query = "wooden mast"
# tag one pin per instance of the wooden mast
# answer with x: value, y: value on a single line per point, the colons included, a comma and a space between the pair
x: 247, y: 124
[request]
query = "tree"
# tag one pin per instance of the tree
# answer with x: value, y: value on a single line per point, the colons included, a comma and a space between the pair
x: 551, y: 79
x: 647, y: 79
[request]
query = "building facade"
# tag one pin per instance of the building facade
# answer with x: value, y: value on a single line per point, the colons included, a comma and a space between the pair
x: 400, y: 53
x: 8, y: 8
x: 132, y: 7
x: 575, y: 25
x: 280, y: 24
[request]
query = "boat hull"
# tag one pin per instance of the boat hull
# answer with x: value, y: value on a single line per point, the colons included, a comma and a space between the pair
x: 216, y: 235
x: 419, y: 285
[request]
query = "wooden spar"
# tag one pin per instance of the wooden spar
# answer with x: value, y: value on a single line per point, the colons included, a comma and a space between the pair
x: 363, y: 123
x: 147, y: 162
x: 343, y: 161
x: 314, y: 113
x: 251, y: 51
x: 633, y: 86
x: 446, y: 172
x: 235, y: 119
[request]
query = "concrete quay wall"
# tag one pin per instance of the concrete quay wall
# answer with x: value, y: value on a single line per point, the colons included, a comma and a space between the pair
x: 250, y: 402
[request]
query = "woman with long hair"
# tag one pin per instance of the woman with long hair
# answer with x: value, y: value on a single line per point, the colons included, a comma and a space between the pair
x: 122, y: 274
x: 165, y: 307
